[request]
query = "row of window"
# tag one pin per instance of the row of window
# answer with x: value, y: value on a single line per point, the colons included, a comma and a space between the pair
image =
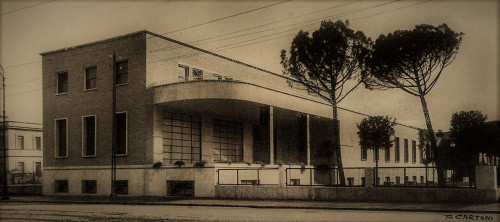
x: 90, y: 186
x: 89, y: 134
x: 21, y: 168
x: 20, y: 142
x: 90, y: 77
x: 364, y: 152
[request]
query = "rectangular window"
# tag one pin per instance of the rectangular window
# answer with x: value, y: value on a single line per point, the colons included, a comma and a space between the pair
x: 364, y: 154
x: 90, y: 78
x: 181, y: 138
x: 89, y: 135
x: 20, y: 142
x: 89, y: 186
x: 387, y: 154
x: 362, y: 181
x: 38, y: 168
x: 20, y: 167
x: 38, y: 143
x: 398, y: 180
x: 183, y: 72
x: 121, y: 134
x: 197, y: 74
x: 413, y: 151
x: 396, y: 150
x: 121, y: 73
x: 422, y: 179
x: 387, y: 179
x: 62, y: 82
x: 228, y: 141
x: 406, y: 150
x: 61, y: 138
x: 121, y: 187
x: 61, y: 186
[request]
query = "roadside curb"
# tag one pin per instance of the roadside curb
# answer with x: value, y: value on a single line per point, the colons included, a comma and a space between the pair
x: 257, y: 206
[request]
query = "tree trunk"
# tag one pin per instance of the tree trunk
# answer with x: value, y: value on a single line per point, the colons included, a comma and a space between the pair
x: 336, y: 145
x: 432, y: 138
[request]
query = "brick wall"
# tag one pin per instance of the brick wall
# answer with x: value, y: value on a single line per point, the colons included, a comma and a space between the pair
x: 76, y: 103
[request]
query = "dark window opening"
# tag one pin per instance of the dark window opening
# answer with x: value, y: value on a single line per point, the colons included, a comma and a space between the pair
x: 89, y: 186
x: 61, y: 140
x: 181, y: 138
x: 180, y: 188
x: 89, y: 135
x: 396, y: 150
x: 228, y: 141
x: 62, y: 82
x: 121, y: 133
x: 121, y: 187
x: 91, y: 78
x: 61, y: 186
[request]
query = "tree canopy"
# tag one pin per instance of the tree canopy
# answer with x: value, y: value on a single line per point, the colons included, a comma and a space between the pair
x: 375, y: 132
x: 413, y: 60
x: 325, y: 61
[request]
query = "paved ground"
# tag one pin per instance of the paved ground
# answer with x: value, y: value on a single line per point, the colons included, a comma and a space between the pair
x: 493, y: 208
x: 40, y: 211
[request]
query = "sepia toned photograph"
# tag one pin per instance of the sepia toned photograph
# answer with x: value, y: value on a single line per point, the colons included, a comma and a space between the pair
x: 250, y: 110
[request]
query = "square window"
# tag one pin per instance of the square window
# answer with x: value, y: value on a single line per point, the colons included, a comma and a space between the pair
x: 121, y: 73
x: 121, y: 187
x: 89, y: 186
x: 90, y: 78
x: 62, y: 82
x: 61, y: 186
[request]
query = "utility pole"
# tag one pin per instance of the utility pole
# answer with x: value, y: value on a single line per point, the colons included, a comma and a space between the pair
x: 5, y: 192
x: 113, y: 134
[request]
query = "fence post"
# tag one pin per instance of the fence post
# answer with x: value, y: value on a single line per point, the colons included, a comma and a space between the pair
x: 258, y: 176
x: 310, y: 177
x: 286, y: 176
x: 404, y: 176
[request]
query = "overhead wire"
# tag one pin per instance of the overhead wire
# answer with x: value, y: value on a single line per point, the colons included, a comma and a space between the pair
x: 237, y: 46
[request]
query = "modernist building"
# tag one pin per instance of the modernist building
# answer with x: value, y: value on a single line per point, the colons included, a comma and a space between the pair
x: 188, y: 119
x: 24, y: 152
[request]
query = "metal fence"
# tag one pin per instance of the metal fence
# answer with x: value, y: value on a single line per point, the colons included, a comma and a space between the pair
x: 26, y: 178
x: 248, y: 176
x: 355, y: 177
x: 462, y: 177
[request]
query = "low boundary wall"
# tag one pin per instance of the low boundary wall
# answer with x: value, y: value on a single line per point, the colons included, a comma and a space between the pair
x: 370, y: 194
x: 24, y: 189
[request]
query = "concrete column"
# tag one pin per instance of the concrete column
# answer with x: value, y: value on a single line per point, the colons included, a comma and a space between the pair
x: 271, y: 136
x: 369, y: 177
x: 308, y: 140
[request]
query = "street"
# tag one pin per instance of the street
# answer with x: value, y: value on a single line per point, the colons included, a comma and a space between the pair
x: 115, y: 212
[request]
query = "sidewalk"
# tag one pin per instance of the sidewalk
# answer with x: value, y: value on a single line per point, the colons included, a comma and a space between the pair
x: 289, y: 204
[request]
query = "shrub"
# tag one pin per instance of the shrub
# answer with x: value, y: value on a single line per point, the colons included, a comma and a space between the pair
x: 157, y: 165
x: 179, y: 163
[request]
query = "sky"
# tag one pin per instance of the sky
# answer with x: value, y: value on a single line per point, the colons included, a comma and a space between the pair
x: 254, y: 32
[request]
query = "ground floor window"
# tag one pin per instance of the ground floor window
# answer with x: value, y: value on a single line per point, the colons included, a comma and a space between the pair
x: 61, y: 186
x: 180, y: 188
x: 121, y: 187
x: 181, y: 138
x: 89, y: 186
x: 228, y: 141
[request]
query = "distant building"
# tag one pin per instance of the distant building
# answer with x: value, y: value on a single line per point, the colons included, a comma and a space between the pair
x: 24, y: 152
x: 188, y: 119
